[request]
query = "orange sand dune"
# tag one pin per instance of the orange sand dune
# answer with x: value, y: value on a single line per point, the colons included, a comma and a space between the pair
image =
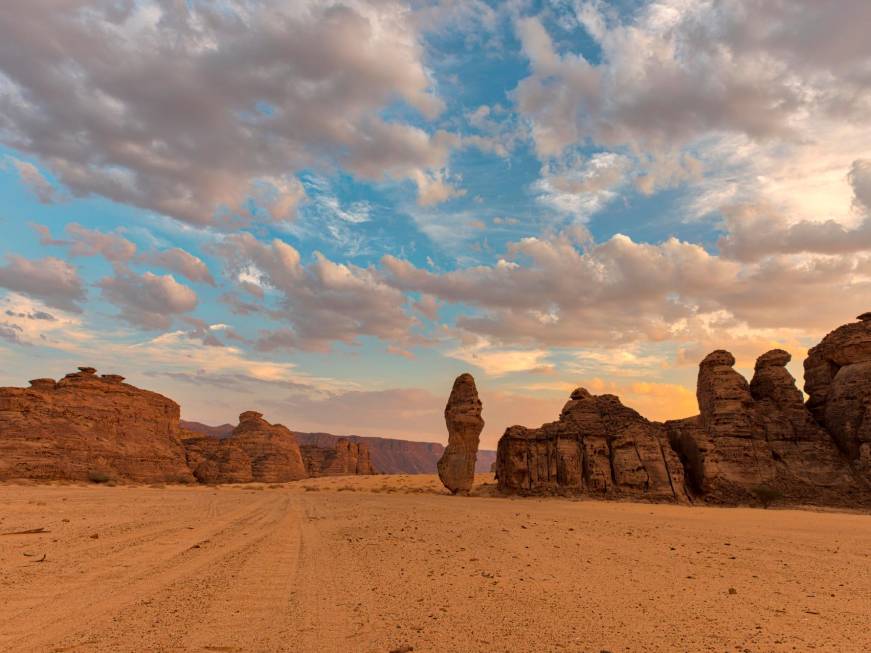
x: 381, y: 563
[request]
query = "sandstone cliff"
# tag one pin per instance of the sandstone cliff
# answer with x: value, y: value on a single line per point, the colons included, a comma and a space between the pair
x: 256, y: 451
x: 759, y: 435
x: 89, y: 427
x: 749, y: 439
x: 346, y: 458
x: 837, y: 379
x: 598, y: 447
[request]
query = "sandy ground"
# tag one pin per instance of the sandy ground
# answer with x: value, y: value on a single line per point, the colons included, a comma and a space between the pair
x: 384, y: 563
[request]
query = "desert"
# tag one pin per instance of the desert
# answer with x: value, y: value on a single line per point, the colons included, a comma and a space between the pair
x: 387, y: 563
x: 435, y: 326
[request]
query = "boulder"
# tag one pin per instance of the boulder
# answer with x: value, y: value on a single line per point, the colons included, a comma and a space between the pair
x: 597, y: 447
x: 456, y: 467
x: 256, y: 451
x: 837, y: 376
x: 88, y: 427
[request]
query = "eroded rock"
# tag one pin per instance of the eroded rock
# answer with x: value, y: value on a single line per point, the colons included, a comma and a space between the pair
x: 345, y: 458
x: 598, y: 447
x: 85, y: 427
x: 463, y: 418
x: 256, y: 451
x: 838, y: 383
x: 758, y: 436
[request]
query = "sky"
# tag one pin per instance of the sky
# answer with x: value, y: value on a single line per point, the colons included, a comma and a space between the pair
x: 325, y: 211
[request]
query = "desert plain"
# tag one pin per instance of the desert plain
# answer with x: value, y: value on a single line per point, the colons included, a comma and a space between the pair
x: 395, y: 563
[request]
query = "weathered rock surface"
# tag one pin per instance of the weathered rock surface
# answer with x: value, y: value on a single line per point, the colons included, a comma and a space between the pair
x: 837, y: 379
x: 463, y: 418
x: 345, y: 458
x: 395, y: 456
x: 760, y: 435
x: 256, y: 451
x: 598, y: 447
x: 90, y: 427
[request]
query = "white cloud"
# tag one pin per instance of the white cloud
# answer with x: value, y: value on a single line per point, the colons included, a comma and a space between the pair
x: 144, y: 102
x: 148, y: 301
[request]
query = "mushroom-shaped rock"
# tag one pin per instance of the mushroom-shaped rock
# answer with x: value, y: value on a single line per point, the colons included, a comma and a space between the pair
x: 42, y: 384
x: 89, y: 371
x: 464, y: 422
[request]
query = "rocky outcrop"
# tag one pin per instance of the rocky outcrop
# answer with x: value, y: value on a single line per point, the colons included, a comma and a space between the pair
x: 90, y: 427
x: 598, y: 447
x: 346, y: 458
x: 759, y: 437
x: 256, y: 451
x: 456, y: 467
x: 395, y: 456
x: 837, y: 380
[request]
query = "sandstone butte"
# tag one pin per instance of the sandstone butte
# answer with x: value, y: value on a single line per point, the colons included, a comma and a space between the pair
x: 456, y: 467
x: 98, y: 428
x: 93, y: 427
x: 750, y: 441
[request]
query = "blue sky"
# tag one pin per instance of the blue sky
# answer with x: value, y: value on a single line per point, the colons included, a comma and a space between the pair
x: 326, y: 211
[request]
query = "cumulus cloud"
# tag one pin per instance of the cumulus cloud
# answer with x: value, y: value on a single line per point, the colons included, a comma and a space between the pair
x: 144, y: 103
x: 189, y: 266
x: 51, y: 280
x: 323, y: 301
x: 674, y: 71
x: 148, y: 301
x: 732, y: 97
x: 573, y: 293
x: 754, y: 231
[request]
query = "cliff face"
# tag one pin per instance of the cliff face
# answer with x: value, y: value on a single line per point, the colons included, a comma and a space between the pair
x: 256, y: 451
x: 89, y: 427
x: 748, y: 439
x: 598, y: 447
x: 346, y: 458
x: 759, y: 435
x: 837, y: 376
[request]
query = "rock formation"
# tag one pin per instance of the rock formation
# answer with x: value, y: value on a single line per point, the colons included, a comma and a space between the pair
x: 256, y: 451
x: 758, y: 435
x: 837, y: 379
x: 89, y: 427
x: 463, y: 418
x: 395, y: 456
x: 598, y: 447
x: 346, y: 458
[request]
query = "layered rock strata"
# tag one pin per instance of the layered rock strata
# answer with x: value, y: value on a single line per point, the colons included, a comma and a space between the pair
x: 345, y: 458
x: 90, y: 427
x: 597, y: 447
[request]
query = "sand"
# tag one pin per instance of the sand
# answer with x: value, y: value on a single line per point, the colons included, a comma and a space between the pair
x: 377, y: 564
